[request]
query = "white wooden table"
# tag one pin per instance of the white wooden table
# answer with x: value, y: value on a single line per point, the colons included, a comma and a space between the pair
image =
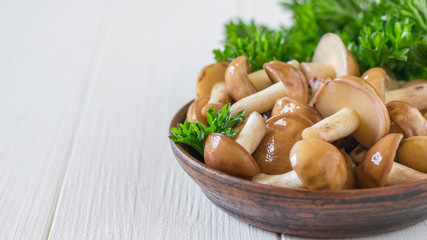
x: 87, y: 91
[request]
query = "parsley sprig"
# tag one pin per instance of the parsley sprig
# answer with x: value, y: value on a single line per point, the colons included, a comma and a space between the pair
x: 194, y: 134
x: 381, y: 33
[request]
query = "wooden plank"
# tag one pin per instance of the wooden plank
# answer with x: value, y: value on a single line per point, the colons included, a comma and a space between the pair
x: 46, y: 48
x: 123, y: 181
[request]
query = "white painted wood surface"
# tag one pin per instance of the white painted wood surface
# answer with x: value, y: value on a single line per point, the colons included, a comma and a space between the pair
x: 87, y: 90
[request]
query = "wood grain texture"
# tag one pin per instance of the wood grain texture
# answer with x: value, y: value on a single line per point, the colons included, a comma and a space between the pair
x: 45, y: 57
x: 123, y: 181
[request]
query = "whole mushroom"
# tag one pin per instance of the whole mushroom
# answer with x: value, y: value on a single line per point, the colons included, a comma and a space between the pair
x: 209, y: 76
x: 413, y: 153
x: 234, y: 157
x: 378, y: 168
x: 408, y: 118
x: 316, y: 165
x: 237, y: 80
x: 283, y: 131
x: 357, y: 95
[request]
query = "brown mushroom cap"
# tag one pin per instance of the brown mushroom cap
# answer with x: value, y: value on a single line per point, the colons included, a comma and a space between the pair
x: 287, y: 104
x: 209, y: 76
x: 237, y: 80
x: 293, y: 79
x: 331, y: 50
x: 379, y: 80
x: 272, y: 154
x: 194, y: 112
x: 357, y: 94
x: 413, y: 153
x: 224, y: 154
x: 319, y: 165
x: 408, y: 118
x: 377, y: 163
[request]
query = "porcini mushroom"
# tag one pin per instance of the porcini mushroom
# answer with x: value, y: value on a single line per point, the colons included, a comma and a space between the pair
x: 378, y: 168
x: 332, y: 51
x: 218, y: 98
x: 351, y: 170
x: 292, y: 78
x: 209, y: 76
x: 318, y: 165
x: 290, y: 105
x: 283, y: 131
x: 337, y: 126
x: 378, y: 79
x: 358, y: 95
x: 413, y: 153
x: 234, y: 157
x: 237, y: 80
x: 408, y: 118
x: 194, y: 112
x: 414, y: 95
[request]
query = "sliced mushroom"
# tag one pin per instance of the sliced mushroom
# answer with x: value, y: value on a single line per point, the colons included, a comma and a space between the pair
x: 408, y: 118
x: 378, y: 168
x: 209, y: 76
x: 194, y: 112
x: 262, y: 101
x: 293, y: 79
x: 379, y: 80
x: 318, y: 165
x: 290, y: 105
x: 331, y: 50
x: 414, y: 95
x: 224, y: 154
x: 339, y: 125
x: 313, y: 70
x: 218, y: 98
x: 237, y: 80
x: 358, y: 95
x: 413, y: 153
x: 283, y: 131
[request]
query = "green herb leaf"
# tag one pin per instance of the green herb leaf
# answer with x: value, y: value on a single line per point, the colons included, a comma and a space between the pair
x: 194, y: 134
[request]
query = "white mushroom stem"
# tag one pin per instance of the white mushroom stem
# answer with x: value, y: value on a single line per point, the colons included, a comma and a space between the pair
x: 252, y: 133
x: 219, y: 97
x: 261, y: 101
x: 312, y: 70
x: 260, y: 79
x: 401, y: 174
x: 337, y: 126
x: 414, y: 95
x: 289, y: 179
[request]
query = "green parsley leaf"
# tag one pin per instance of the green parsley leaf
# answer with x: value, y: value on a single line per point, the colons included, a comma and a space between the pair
x: 194, y: 134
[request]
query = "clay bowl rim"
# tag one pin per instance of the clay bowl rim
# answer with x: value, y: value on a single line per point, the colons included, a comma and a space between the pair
x: 284, y: 191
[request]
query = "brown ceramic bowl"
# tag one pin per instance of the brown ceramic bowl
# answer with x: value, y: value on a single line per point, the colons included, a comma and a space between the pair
x: 307, y: 213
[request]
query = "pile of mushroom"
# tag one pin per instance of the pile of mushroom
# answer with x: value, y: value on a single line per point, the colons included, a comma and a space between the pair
x: 316, y: 125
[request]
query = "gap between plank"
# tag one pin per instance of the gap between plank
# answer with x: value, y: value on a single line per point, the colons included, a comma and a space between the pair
x: 101, y: 44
